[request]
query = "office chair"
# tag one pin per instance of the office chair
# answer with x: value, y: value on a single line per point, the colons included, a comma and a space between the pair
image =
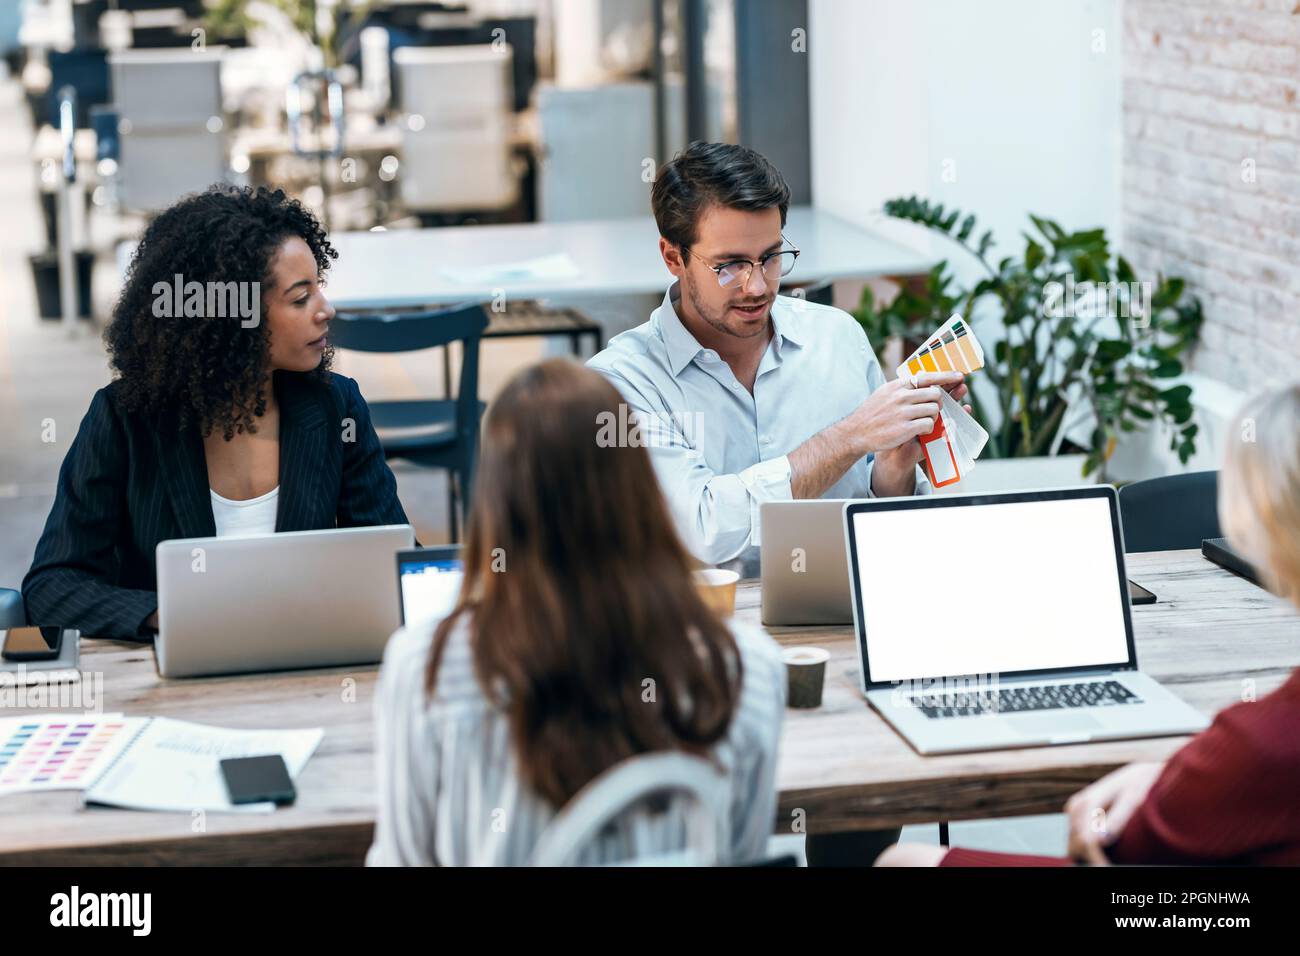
x: 86, y: 71
x: 434, y: 433
x: 12, y: 612
x: 627, y: 784
x: 167, y: 149
x: 456, y: 158
x: 1171, y: 512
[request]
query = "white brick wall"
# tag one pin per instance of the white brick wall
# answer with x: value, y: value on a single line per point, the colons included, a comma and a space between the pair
x: 1211, y: 102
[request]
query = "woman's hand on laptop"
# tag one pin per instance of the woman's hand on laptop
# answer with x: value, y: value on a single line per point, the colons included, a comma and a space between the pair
x: 1099, y: 812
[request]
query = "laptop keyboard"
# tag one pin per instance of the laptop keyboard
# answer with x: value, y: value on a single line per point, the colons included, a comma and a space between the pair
x: 1018, y: 700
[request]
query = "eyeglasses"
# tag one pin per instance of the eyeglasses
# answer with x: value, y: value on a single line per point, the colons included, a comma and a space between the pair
x: 774, y: 265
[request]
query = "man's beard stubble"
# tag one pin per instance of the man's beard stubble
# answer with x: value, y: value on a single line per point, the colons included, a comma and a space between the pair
x: 712, y: 318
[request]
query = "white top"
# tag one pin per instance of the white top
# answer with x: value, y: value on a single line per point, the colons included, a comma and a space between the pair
x: 242, y: 519
x: 449, y: 789
x: 719, y: 451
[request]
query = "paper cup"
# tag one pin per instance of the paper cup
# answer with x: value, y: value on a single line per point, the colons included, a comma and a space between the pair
x: 718, y: 589
x: 805, y: 673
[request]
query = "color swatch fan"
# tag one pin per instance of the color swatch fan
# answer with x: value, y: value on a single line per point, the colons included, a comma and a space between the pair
x: 957, y: 439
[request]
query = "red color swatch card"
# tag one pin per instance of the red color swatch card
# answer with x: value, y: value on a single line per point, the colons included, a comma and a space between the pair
x: 957, y: 439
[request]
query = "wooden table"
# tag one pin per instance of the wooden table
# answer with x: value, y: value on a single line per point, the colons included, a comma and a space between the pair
x: 847, y: 769
x: 840, y: 764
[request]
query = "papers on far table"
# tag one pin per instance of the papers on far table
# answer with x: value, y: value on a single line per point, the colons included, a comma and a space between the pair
x: 555, y: 267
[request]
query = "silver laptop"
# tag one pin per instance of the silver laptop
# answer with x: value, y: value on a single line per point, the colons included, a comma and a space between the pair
x: 805, y: 569
x: 295, y: 599
x: 992, y: 621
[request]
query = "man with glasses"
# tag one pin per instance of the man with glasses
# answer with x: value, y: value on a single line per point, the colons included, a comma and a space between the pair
x: 747, y: 396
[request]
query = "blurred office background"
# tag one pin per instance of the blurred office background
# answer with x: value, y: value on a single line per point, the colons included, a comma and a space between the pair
x: 1172, y: 127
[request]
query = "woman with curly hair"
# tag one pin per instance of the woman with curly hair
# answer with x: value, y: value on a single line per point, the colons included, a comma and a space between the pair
x: 223, y: 418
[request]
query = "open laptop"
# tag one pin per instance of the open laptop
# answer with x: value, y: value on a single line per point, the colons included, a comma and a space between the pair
x: 805, y: 567
x: 428, y: 583
x: 991, y: 621
x: 295, y: 599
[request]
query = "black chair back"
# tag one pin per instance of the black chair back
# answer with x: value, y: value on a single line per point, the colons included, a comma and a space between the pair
x: 1171, y: 512
x: 86, y: 71
x: 412, y: 331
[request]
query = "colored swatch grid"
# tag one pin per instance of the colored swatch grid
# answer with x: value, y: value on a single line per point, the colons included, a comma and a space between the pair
x: 952, y: 348
x: 64, y: 752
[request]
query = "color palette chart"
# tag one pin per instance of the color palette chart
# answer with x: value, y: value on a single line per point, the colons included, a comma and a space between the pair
x: 953, y: 348
x: 951, y: 448
x: 59, y: 751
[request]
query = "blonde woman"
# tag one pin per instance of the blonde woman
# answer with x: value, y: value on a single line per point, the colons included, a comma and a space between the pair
x: 1232, y: 795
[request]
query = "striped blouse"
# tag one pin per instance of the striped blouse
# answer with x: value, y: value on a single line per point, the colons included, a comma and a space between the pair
x: 449, y: 785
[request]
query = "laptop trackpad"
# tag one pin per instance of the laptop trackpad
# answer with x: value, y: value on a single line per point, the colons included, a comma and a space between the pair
x: 1052, y: 725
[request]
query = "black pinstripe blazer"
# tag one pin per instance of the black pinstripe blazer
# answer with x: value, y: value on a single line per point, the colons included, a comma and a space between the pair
x: 127, y: 484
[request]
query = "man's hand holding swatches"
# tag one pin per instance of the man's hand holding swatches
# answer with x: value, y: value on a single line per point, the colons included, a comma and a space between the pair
x: 887, y: 423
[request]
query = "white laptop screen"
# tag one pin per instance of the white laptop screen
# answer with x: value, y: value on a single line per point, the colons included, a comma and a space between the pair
x: 429, y: 588
x: 989, y: 588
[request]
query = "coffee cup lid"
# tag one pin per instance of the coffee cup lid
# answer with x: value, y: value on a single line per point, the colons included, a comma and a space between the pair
x: 716, y: 577
x: 805, y: 654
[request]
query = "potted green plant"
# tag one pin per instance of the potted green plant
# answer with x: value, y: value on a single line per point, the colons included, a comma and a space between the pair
x: 1076, y: 326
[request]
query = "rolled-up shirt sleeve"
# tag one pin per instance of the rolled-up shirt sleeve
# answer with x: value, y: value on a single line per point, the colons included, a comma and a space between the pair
x: 923, y: 486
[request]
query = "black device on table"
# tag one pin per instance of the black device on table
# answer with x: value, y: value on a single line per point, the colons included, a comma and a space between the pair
x: 1220, y: 552
x: 258, y: 780
x: 1137, y: 594
x: 32, y: 644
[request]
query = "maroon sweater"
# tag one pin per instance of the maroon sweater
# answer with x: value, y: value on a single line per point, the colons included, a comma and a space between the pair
x: 1230, y: 796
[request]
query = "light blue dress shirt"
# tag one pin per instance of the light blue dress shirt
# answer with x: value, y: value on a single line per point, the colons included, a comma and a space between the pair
x: 718, y: 450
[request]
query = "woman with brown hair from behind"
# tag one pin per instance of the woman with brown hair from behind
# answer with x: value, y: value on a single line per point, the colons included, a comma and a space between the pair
x: 578, y: 641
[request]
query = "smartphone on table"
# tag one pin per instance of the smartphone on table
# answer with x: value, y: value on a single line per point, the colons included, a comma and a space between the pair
x: 32, y: 644
x: 1137, y: 594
